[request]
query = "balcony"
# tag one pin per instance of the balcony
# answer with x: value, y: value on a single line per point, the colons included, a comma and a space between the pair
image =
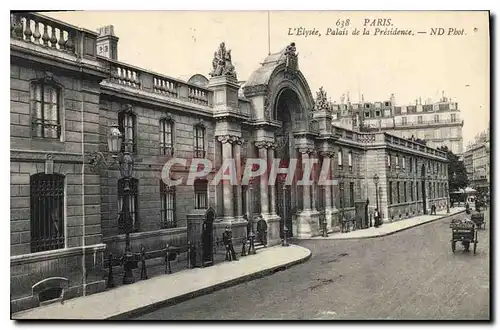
x: 430, y: 123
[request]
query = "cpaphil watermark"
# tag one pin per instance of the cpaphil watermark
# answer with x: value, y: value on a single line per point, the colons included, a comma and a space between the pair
x: 304, y: 173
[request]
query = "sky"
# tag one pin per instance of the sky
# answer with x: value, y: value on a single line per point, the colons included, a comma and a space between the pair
x: 181, y: 43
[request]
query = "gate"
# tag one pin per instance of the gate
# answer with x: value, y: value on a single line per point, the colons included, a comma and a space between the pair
x: 284, y: 198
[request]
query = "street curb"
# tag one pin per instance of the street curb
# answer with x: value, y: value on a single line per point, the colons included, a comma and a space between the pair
x: 187, y: 296
x: 391, y: 233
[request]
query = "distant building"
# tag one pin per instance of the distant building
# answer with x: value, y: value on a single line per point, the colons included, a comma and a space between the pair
x: 439, y: 123
x: 477, y: 162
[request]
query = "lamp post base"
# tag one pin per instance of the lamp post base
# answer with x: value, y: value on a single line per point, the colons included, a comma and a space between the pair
x: 129, y: 263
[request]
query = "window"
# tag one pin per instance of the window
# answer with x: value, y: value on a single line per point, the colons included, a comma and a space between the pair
x: 418, y: 191
x: 339, y: 157
x: 45, y: 102
x: 404, y: 120
x: 398, y: 192
x: 436, y: 118
x: 419, y: 119
x: 453, y: 117
x: 404, y: 162
x: 389, y: 160
x: 167, y: 197
x: 166, y: 136
x: 377, y: 113
x: 127, y: 124
x: 201, y: 194
x: 430, y: 191
x: 411, y: 164
x: 199, y: 141
x: 349, y: 158
x: 367, y: 114
x: 47, y: 212
x: 387, y: 104
x: 351, y: 194
x: 390, y: 193
x: 133, y: 206
x: 367, y: 106
x: 405, y: 191
x: 397, y: 161
x: 411, y: 192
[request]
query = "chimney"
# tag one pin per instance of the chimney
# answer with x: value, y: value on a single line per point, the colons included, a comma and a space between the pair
x: 107, y: 42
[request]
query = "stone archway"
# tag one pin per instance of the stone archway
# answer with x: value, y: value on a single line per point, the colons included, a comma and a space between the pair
x: 281, y: 105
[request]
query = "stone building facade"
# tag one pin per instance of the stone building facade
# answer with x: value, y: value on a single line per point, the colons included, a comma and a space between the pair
x: 477, y: 162
x: 68, y: 87
x: 438, y: 123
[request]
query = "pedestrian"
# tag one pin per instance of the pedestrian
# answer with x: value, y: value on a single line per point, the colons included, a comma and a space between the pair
x: 227, y: 238
x: 376, y: 215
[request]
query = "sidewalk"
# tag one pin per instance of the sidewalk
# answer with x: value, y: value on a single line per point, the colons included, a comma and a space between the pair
x: 393, y: 227
x: 139, y: 298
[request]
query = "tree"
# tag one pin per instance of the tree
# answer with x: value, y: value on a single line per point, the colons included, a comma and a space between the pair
x: 457, y: 174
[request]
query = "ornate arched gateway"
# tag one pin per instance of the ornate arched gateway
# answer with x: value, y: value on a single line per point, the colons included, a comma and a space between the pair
x: 286, y: 126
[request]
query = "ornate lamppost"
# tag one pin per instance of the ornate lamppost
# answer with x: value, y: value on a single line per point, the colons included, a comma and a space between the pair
x: 447, y: 200
x: 126, y: 166
x: 376, y: 181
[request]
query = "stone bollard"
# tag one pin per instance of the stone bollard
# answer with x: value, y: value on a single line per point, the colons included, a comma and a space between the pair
x: 144, y: 274
x: 110, y: 283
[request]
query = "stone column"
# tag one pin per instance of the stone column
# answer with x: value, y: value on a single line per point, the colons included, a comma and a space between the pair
x: 272, y: 189
x: 227, y: 188
x: 264, y: 191
x: 237, y: 157
x: 306, y: 189
x: 314, y: 185
x: 328, y: 201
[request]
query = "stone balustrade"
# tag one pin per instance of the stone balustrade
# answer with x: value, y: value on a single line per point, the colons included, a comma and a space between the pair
x: 50, y: 33
x: 137, y: 78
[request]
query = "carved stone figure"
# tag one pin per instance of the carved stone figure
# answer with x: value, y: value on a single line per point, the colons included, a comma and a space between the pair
x: 321, y: 103
x: 221, y: 63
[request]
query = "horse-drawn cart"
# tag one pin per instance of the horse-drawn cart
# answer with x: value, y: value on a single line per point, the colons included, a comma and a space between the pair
x: 465, y: 232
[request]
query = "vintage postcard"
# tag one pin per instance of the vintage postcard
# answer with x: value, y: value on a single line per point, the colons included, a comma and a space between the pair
x: 250, y: 165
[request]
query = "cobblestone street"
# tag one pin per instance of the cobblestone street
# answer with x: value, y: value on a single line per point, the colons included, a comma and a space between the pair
x: 409, y: 275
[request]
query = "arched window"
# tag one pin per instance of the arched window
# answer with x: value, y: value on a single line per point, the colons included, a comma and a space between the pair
x: 133, y: 205
x: 127, y: 121
x: 340, y: 158
x: 349, y: 160
x: 166, y: 136
x: 199, y: 141
x: 167, y: 197
x: 45, y: 103
x: 47, y: 212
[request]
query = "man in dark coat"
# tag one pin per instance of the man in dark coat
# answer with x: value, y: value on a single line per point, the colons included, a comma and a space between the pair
x: 227, y: 238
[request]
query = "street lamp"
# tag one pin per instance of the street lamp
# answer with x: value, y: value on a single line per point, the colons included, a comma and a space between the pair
x: 376, y: 180
x: 126, y: 167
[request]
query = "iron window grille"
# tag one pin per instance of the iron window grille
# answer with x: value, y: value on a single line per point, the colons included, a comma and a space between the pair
x: 127, y: 122
x: 166, y: 137
x: 199, y: 141
x: 167, y: 196
x: 398, y: 192
x: 47, y: 212
x: 45, y: 108
x: 133, y: 205
x: 201, y: 194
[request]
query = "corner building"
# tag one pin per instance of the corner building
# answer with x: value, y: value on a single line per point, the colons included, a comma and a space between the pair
x: 68, y: 87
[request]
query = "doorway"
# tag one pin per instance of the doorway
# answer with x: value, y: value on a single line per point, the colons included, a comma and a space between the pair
x: 208, y: 239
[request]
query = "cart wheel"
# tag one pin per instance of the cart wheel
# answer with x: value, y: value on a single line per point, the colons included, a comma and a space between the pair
x: 475, y: 243
x: 453, y: 244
